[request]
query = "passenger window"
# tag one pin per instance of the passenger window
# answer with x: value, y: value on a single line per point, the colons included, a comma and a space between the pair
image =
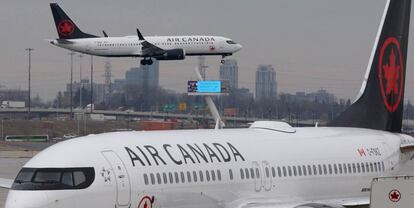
x: 213, y: 175
x: 320, y: 169
x: 284, y: 171
x: 257, y: 173
x: 146, y: 179
x: 309, y: 170
x: 335, y: 169
x: 188, y: 177
x: 375, y: 167
x: 164, y: 176
x: 247, y: 173
x: 231, y: 174
x: 304, y: 170
x: 218, y: 175
x: 379, y: 166
x: 363, y: 167
x: 177, y: 178
x: 290, y: 171
x: 324, y: 169
x: 152, y: 179
x: 241, y: 174
x: 158, y: 178
x: 201, y: 176
x: 330, y: 168
x: 182, y: 177
x: 294, y: 170
x: 252, y: 172
x: 267, y: 172
x: 383, y: 166
x: 273, y: 172
x: 279, y: 172
x: 315, y: 172
x: 358, y: 168
x: 195, y: 176
x: 349, y: 168
x: 345, y: 170
x: 171, y: 177
x: 207, y: 175
x: 353, y: 168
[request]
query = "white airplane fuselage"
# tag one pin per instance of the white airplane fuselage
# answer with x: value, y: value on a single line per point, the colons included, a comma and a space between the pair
x: 130, y: 46
x: 162, y: 168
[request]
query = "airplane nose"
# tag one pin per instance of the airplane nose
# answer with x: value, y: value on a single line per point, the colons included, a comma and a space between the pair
x: 239, y: 47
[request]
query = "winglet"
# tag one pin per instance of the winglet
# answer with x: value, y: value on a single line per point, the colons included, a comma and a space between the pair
x: 104, y: 33
x: 140, y: 35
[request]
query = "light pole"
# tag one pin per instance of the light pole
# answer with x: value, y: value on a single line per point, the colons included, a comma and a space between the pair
x: 92, y: 84
x: 80, y: 81
x: 29, y: 100
x: 71, y: 84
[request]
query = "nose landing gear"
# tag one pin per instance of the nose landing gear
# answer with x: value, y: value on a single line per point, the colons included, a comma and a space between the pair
x: 146, y: 61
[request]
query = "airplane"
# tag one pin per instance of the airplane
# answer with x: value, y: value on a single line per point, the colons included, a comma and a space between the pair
x: 270, y: 164
x: 151, y: 47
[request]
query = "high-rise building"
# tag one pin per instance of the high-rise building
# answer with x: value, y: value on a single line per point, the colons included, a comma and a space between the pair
x: 229, y: 71
x: 266, y: 85
x: 145, y: 76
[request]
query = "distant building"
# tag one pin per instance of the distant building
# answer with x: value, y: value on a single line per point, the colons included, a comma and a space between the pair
x: 13, y: 94
x: 99, y: 90
x: 143, y: 76
x: 266, y: 85
x: 118, y: 85
x: 229, y: 71
x: 320, y: 96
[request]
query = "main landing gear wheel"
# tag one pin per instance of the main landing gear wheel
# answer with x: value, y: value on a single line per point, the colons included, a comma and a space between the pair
x: 146, y: 62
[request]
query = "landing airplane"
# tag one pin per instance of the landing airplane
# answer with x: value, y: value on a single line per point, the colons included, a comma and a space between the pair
x: 157, y: 47
x: 270, y: 164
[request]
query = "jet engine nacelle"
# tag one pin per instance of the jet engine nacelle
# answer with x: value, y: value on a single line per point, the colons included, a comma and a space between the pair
x: 173, y: 54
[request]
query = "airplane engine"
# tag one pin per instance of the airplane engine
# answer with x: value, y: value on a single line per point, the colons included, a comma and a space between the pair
x: 173, y: 54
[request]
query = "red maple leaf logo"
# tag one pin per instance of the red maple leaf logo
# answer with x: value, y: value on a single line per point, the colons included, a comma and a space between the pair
x: 391, y: 74
x: 66, y: 27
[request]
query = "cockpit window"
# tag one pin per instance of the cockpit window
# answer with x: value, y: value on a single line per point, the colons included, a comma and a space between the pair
x: 53, y: 178
x: 231, y: 42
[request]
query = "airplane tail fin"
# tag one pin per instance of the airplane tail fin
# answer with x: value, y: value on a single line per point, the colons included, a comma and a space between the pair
x: 65, y: 27
x: 381, y: 99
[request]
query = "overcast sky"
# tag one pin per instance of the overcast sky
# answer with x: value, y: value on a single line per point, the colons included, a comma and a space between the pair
x: 312, y: 44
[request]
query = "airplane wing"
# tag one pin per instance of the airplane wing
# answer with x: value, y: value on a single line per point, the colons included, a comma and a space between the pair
x: 149, y: 49
x: 6, y: 183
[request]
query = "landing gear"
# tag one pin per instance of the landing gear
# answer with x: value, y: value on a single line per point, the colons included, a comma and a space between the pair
x: 146, y: 61
x: 224, y: 56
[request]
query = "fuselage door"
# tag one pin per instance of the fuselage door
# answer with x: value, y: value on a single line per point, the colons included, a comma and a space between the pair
x: 267, y: 178
x: 258, y: 176
x: 123, y: 192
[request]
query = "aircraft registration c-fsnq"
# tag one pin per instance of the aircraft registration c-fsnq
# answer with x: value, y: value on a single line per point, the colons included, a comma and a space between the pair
x: 270, y: 164
x: 157, y: 47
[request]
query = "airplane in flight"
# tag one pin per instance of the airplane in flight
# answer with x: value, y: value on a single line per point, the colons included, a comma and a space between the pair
x: 151, y: 47
x: 270, y: 164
